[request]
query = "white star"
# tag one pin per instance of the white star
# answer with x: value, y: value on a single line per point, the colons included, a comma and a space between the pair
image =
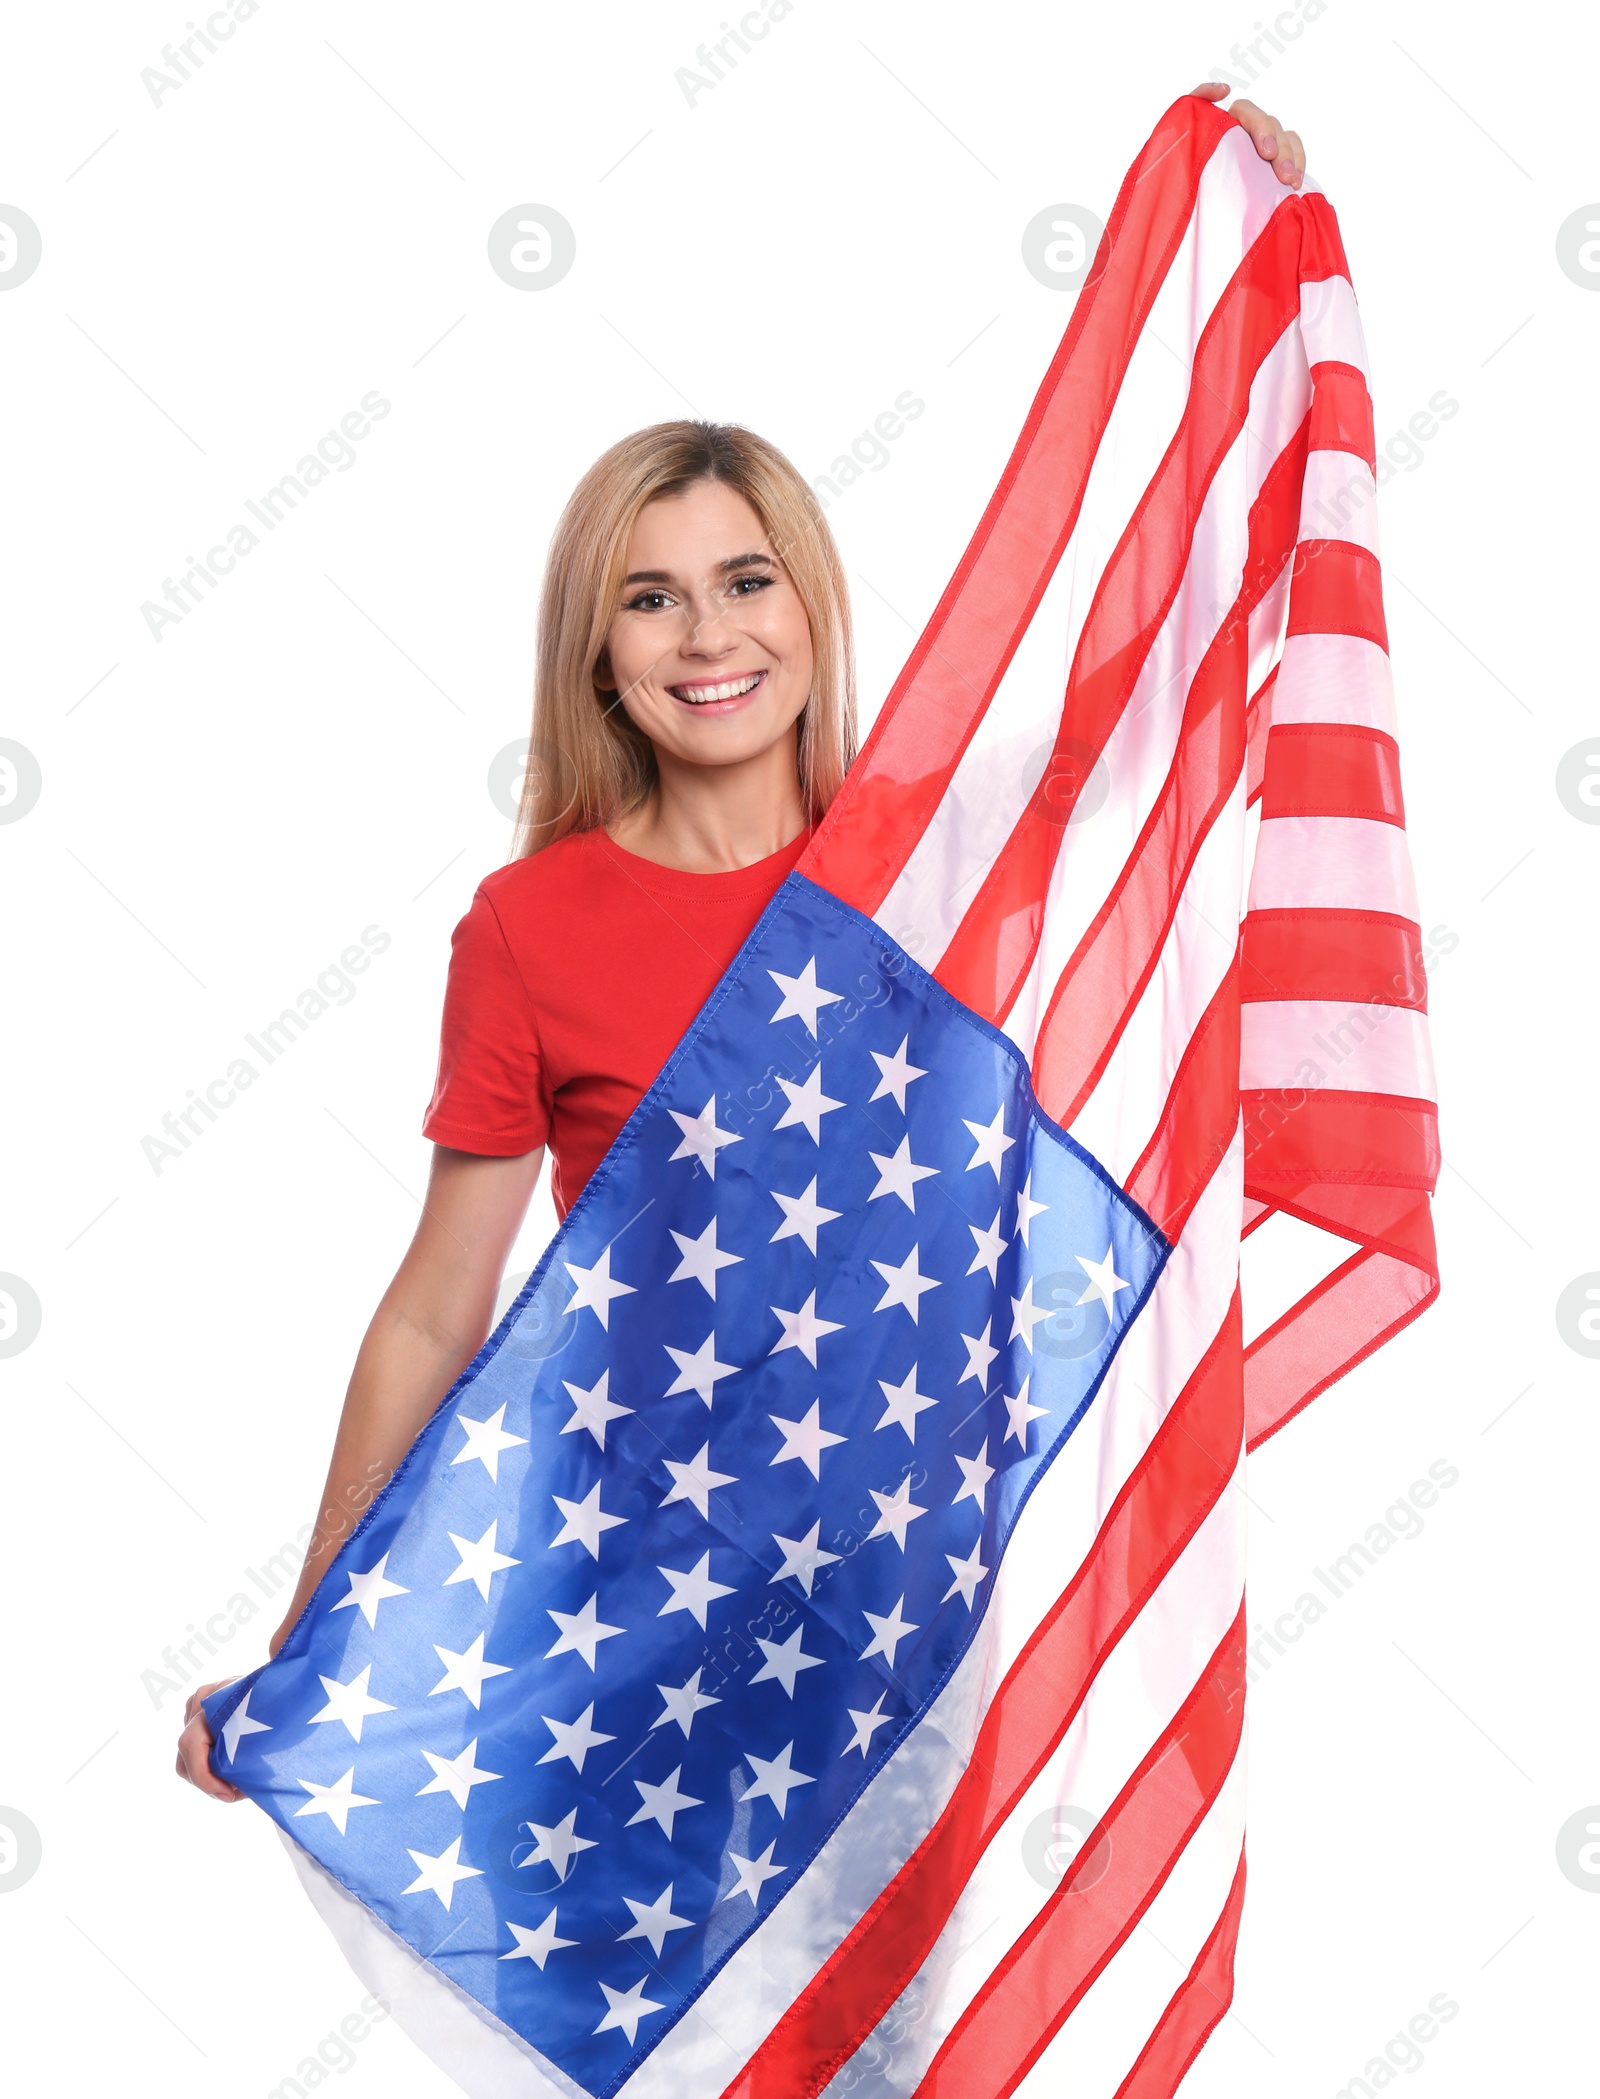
x: 698, y: 1370
x: 485, y: 1440
x: 1019, y: 1412
x: 350, y: 1702
x: 701, y: 1259
x: 627, y: 2008
x: 903, y: 1285
x: 334, y: 1801
x: 581, y: 1631
x: 991, y: 1245
x: 683, y: 1701
x: 867, y: 1725
x: 904, y: 1404
x: 785, y: 1660
x: 968, y: 1573
x: 900, y: 1174
x: 702, y: 1139
x: 802, y: 996
x: 803, y: 1329
x: 696, y: 1480
x: 467, y: 1672
x: 1104, y: 1281
x: 536, y: 1945
x: 802, y: 1557
x: 653, y: 1920
x: 556, y: 1845
x: 802, y: 1214
x: 240, y: 1723
x: 807, y: 1105
x: 887, y: 1633
x: 895, y: 1511
x: 1027, y: 1209
x: 593, y: 1287
x: 898, y: 1073
x: 662, y: 1803
x: 368, y: 1590
x: 981, y: 1352
x: 583, y: 1522
x: 592, y: 1409
x: 456, y: 1775
x: 776, y: 1778
x: 805, y: 1439
x: 438, y: 1876
x: 480, y: 1563
x: 1026, y: 1315
x: 976, y: 1473
x: 692, y: 1589
x: 991, y: 1141
x: 573, y: 1738
x: 753, y: 1873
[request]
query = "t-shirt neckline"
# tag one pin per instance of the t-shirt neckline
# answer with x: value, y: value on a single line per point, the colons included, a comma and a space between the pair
x: 726, y: 881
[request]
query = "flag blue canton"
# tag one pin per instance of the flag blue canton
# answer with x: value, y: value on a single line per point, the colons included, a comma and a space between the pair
x: 693, y: 1544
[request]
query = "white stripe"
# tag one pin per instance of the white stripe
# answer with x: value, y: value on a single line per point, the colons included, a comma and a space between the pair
x: 1334, y: 678
x: 998, y: 770
x: 1339, y: 499
x: 1331, y: 325
x: 1145, y: 1680
x: 1332, y: 863
x: 1353, y: 1047
x: 1140, y: 749
x: 1057, y: 1526
x: 1099, y: 2044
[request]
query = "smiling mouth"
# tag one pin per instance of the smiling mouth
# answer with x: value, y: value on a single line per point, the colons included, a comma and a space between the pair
x: 706, y: 694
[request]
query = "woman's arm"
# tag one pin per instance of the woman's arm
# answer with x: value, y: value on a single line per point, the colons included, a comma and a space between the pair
x: 433, y: 1319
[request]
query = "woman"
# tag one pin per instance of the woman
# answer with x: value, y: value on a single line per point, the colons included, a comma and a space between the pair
x: 693, y: 717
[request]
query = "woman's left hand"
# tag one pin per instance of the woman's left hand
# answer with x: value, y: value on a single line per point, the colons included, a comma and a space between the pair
x: 1272, y: 142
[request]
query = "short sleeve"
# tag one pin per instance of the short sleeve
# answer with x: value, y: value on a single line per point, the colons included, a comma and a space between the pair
x: 490, y: 1094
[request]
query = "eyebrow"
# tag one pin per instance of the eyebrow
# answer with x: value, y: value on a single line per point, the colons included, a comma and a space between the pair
x: 724, y: 568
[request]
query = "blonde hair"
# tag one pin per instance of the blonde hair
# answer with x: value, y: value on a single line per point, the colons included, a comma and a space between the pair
x: 587, y: 762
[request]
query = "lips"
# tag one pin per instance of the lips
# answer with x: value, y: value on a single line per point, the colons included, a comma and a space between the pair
x: 706, y: 693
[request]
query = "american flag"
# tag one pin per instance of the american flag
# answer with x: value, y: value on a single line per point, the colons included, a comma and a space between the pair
x: 809, y: 1640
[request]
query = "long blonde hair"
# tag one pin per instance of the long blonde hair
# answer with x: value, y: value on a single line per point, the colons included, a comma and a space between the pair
x: 587, y: 762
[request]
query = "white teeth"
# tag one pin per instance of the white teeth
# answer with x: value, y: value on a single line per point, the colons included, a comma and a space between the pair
x: 697, y: 695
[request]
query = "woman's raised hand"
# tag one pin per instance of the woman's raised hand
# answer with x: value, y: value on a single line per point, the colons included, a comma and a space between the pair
x: 194, y: 1747
x: 1272, y: 142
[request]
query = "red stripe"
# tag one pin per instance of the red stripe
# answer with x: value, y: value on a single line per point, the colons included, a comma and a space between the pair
x: 1101, y: 984
x: 1199, y: 1119
x: 1337, y: 589
x: 1341, y: 412
x: 1257, y: 722
x: 1332, y: 769
x: 959, y: 659
x: 1178, y: 1480
x: 1045, y: 1974
x: 1196, y: 2006
x: 989, y: 956
x: 1360, y: 957
x: 1297, y: 1135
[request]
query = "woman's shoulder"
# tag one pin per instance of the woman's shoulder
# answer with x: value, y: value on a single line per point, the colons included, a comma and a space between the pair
x: 560, y: 873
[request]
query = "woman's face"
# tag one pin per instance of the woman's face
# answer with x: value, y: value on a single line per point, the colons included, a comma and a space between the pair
x: 709, y: 647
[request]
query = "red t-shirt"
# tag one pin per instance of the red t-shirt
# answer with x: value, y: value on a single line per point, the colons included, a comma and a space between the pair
x: 572, y: 979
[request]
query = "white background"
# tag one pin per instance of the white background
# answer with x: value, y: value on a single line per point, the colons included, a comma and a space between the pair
x: 306, y: 754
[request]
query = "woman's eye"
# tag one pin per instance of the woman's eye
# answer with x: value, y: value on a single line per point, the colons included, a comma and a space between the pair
x: 648, y: 601
x: 755, y: 582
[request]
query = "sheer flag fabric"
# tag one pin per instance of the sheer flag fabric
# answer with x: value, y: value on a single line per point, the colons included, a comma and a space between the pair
x: 844, y: 1520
